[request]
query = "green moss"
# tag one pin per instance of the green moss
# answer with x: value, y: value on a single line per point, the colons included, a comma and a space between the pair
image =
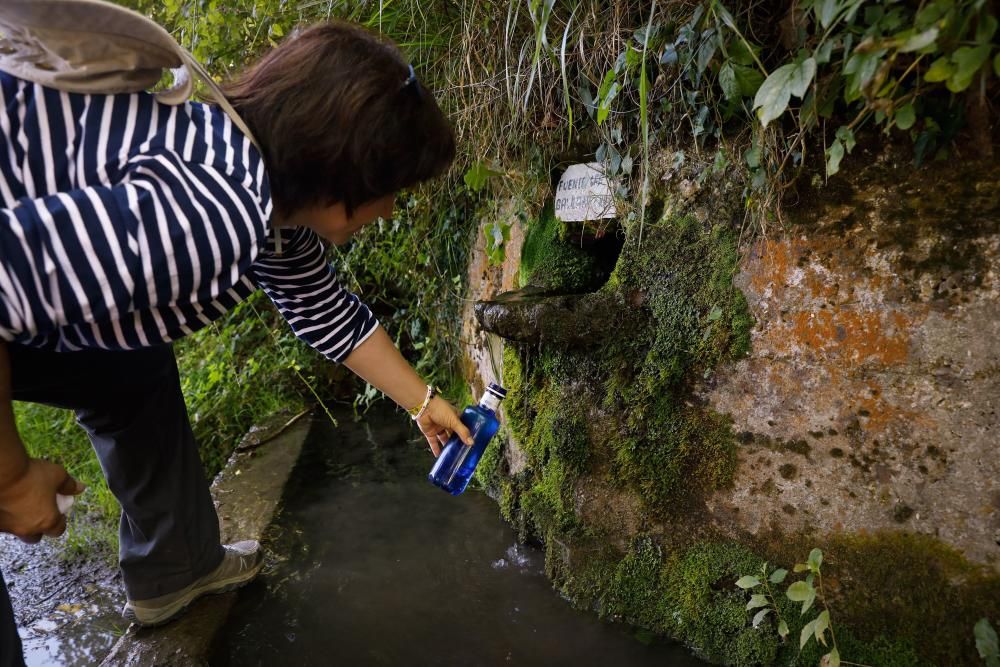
x: 674, y: 449
x: 661, y: 445
x: 549, y: 502
x: 517, y: 407
x: 550, y: 262
x: 706, y: 609
x: 490, y: 472
x: 620, y: 412
x: 508, y: 501
x: 635, y: 592
x: 913, y: 587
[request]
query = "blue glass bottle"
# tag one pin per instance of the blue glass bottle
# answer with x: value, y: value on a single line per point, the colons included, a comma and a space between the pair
x: 453, y: 469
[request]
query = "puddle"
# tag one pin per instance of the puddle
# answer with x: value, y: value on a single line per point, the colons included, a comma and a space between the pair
x: 75, y: 636
x: 67, y: 612
x: 372, y: 565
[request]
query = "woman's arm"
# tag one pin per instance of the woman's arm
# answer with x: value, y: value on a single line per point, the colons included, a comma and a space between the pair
x: 377, y: 361
x: 28, y: 487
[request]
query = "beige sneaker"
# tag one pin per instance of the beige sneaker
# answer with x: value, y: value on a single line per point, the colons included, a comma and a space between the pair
x: 240, y: 564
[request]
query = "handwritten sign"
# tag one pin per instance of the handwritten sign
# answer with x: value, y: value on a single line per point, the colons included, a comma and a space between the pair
x: 584, y: 193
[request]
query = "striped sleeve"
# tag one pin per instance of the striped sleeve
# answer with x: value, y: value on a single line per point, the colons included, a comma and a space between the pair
x: 304, y: 287
x: 168, y: 237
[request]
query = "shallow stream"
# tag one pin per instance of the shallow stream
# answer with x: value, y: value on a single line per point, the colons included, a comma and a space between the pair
x: 372, y: 565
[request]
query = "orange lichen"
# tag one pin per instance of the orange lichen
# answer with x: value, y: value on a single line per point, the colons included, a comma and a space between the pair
x: 854, y: 337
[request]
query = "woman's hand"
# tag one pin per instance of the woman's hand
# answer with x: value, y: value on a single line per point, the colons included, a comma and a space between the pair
x: 439, y: 421
x: 28, y: 504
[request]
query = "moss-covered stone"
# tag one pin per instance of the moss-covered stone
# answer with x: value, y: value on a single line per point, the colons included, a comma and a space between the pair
x: 549, y: 262
x: 620, y: 418
x: 681, y: 277
x: 706, y: 609
x: 623, y: 412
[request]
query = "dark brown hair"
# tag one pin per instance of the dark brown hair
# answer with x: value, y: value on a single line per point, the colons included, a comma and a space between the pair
x: 339, y: 119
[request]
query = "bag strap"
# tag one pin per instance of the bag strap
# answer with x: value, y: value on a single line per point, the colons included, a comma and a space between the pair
x: 219, y: 98
x: 216, y: 95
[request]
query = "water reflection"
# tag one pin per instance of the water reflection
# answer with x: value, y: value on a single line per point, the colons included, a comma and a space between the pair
x: 74, y: 635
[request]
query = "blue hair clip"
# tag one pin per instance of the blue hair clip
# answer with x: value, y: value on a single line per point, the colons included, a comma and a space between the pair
x: 411, y: 81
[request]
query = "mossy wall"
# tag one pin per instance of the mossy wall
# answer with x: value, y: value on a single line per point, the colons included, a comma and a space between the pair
x: 614, y: 459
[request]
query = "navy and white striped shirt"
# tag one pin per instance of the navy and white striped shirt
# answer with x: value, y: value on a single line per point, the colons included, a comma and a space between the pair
x: 128, y: 223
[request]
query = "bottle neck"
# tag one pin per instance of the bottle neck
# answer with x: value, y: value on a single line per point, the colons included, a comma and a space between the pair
x: 490, y: 401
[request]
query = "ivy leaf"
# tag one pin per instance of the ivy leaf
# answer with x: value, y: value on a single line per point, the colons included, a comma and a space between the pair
x: 996, y: 64
x: 824, y: 52
x: 967, y: 61
x: 774, y: 94
x: 748, y: 581
x: 778, y: 576
x: 905, y: 117
x: 822, y: 624
x: 859, y: 69
x: 939, y: 70
x: 846, y: 134
x: 740, y: 53
x: 833, y: 658
x: 782, y: 628
x: 756, y: 601
x: 815, y: 560
x: 986, y: 29
x: 826, y: 10
x: 727, y: 81
x: 477, y: 175
x: 807, y: 632
x: 834, y: 154
x: 921, y: 40
x: 760, y: 616
x: 716, y: 312
x: 986, y: 640
x: 706, y: 50
x: 749, y: 79
x: 669, y: 56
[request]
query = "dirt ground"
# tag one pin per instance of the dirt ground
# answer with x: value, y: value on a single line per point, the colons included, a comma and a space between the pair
x: 67, y: 611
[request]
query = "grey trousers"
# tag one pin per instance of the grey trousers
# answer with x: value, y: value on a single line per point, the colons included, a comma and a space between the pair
x: 131, y: 406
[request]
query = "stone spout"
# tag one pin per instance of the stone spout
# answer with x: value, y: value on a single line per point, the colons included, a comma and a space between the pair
x: 530, y: 315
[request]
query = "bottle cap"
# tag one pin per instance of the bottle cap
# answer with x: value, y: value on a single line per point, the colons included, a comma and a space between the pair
x: 497, y: 390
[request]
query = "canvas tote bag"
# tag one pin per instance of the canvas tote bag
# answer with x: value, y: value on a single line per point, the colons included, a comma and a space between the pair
x: 97, y: 47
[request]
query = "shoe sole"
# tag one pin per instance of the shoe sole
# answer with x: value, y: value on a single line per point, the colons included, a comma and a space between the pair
x: 175, y: 609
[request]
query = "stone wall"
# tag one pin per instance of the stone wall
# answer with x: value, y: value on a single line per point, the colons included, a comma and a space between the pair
x: 861, y: 419
x: 869, y: 400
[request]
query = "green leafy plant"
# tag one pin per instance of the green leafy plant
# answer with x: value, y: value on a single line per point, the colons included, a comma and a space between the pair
x: 764, y: 601
x: 497, y: 235
x: 478, y: 175
x: 880, y: 62
x: 807, y: 592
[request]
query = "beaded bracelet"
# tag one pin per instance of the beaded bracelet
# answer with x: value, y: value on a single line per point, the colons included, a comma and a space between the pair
x: 418, y: 412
